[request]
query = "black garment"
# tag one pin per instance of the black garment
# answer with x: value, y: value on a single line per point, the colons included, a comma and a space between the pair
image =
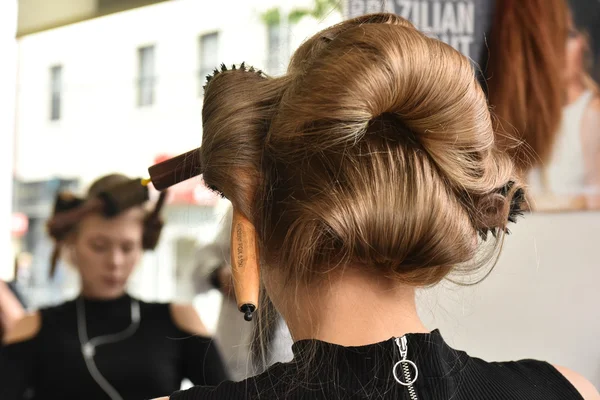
x: 365, y: 372
x: 149, y: 364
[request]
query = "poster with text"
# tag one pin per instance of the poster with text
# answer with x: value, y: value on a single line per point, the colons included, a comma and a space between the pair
x: 461, y: 23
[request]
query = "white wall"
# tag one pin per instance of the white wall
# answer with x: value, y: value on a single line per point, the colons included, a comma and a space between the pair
x: 8, y: 69
x: 542, y: 300
x: 101, y: 129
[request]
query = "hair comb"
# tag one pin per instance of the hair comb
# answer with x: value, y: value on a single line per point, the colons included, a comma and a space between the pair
x: 516, y: 203
x: 188, y: 165
x: 242, y: 67
x: 515, y: 211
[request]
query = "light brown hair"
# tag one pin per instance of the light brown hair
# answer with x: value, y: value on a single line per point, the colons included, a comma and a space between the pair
x: 525, y: 75
x: 376, y: 149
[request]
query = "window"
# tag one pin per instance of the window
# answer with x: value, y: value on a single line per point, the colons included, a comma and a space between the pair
x: 55, y: 92
x: 146, y: 78
x: 273, y: 48
x: 208, y: 52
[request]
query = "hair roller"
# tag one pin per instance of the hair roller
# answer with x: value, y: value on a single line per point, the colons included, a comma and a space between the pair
x: 498, y: 209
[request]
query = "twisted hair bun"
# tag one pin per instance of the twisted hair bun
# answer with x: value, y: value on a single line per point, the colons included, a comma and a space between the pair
x: 376, y: 149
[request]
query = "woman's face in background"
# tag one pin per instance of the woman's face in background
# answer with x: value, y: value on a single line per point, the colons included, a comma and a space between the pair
x: 575, y: 54
x: 105, y: 252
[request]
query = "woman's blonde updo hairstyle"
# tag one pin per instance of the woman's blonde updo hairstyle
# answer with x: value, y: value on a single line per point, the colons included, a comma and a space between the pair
x: 375, y: 150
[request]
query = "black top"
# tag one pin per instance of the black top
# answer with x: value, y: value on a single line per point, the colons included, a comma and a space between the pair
x: 151, y: 363
x: 366, y: 372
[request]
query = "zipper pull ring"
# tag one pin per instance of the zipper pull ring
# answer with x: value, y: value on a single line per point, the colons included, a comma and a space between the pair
x: 405, y: 364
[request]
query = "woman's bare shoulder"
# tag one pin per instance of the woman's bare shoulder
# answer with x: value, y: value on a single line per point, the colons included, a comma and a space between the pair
x: 583, y: 386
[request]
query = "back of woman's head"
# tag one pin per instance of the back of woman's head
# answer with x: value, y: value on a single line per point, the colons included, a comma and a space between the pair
x: 375, y: 150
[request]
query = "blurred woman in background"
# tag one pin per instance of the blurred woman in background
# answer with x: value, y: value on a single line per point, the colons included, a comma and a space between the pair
x: 570, y: 179
x: 105, y: 343
x: 547, y: 105
x: 370, y: 169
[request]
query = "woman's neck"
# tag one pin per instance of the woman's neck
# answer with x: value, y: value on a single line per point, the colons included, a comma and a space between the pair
x: 351, y: 309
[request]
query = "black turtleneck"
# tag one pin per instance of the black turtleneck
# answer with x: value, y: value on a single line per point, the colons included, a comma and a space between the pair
x: 151, y: 363
x: 324, y: 371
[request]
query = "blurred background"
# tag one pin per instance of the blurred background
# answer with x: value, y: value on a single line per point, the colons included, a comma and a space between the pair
x: 116, y: 86
x: 90, y: 87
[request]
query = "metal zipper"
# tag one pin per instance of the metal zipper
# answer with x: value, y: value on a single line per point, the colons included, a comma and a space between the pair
x: 406, y: 365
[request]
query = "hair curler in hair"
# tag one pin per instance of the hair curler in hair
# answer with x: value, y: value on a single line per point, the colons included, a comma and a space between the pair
x: 109, y: 202
x: 62, y: 222
x: 244, y: 264
x: 123, y: 196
